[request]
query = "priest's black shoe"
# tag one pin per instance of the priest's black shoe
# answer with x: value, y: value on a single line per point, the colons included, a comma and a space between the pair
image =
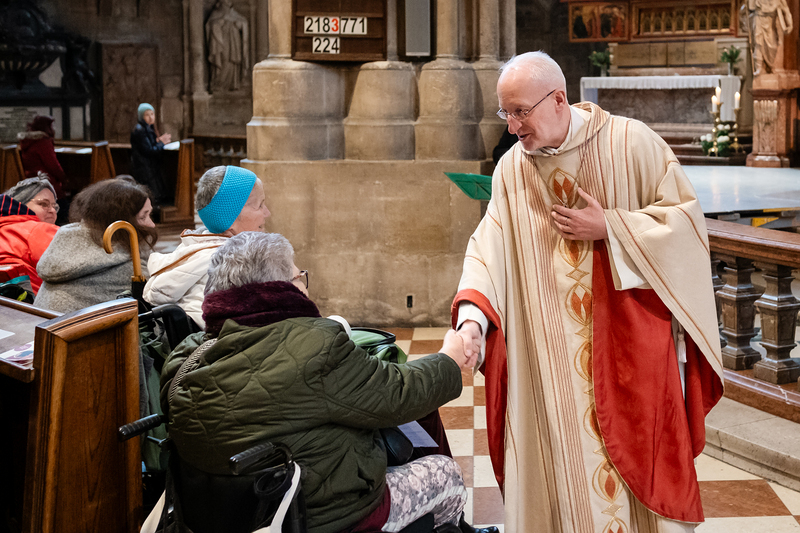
x: 466, y: 528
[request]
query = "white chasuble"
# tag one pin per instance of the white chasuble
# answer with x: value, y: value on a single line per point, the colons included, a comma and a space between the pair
x: 557, y: 475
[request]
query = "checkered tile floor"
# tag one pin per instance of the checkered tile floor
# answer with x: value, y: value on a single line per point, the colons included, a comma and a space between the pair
x: 734, y: 501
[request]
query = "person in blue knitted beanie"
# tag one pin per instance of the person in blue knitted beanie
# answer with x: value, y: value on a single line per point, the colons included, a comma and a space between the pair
x: 229, y: 200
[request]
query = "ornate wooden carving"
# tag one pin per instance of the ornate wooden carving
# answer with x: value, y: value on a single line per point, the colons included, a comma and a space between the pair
x: 736, y: 298
x: 683, y: 19
x: 778, y: 308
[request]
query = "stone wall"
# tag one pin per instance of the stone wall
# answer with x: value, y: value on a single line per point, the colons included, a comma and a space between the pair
x: 542, y: 25
x: 147, y: 22
x: 371, y: 234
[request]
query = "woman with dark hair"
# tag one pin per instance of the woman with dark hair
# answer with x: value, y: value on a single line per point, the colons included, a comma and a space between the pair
x: 76, y: 271
x: 38, y: 153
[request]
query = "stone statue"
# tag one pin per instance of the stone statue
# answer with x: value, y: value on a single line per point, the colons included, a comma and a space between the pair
x: 228, y: 41
x: 770, y: 20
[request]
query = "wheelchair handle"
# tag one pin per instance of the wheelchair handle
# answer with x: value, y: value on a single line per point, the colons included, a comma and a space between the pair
x: 140, y: 426
x: 242, y: 461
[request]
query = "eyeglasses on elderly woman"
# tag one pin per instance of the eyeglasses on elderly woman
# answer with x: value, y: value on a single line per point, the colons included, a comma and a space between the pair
x: 303, y: 275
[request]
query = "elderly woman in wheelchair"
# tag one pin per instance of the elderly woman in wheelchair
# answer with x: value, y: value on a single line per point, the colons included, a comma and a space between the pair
x: 270, y: 368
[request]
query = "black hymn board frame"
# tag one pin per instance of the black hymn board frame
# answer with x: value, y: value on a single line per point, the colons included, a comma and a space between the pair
x: 339, y: 30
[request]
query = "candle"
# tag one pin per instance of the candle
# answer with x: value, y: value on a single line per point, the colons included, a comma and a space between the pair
x: 736, y: 98
x: 718, y: 92
x: 714, y: 104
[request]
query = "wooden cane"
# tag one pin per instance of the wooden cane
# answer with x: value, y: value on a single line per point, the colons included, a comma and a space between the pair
x: 134, y: 242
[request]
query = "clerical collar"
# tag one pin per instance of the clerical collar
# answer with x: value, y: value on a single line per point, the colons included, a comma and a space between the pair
x: 575, y: 123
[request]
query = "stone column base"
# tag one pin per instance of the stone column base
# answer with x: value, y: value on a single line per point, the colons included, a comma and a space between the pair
x: 380, y: 124
x: 298, y: 110
x: 449, y: 103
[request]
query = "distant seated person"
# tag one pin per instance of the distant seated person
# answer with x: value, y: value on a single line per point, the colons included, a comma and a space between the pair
x: 76, y: 270
x: 147, y: 147
x: 38, y: 153
x: 27, y: 225
x: 229, y: 200
x: 273, y: 370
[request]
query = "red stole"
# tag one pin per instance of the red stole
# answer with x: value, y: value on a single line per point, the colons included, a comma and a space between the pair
x: 652, y: 436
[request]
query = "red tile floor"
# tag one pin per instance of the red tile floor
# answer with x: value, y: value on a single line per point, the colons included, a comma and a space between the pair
x: 734, y: 501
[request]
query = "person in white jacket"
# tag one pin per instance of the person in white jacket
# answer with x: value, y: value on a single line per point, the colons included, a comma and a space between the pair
x: 229, y: 200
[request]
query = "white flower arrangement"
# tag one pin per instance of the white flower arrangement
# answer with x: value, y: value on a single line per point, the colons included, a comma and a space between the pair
x: 723, y: 140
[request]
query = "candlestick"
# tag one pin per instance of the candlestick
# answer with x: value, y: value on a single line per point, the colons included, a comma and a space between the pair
x: 714, y: 150
x: 737, y: 148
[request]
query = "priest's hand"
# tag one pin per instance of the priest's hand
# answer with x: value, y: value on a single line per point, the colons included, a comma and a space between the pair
x: 587, y: 224
x: 455, y: 347
x: 471, y: 332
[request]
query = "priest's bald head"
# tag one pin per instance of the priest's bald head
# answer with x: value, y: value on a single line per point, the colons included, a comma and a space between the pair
x: 533, y: 99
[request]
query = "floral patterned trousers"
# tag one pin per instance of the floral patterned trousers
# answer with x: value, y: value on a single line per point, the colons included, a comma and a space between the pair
x: 432, y: 484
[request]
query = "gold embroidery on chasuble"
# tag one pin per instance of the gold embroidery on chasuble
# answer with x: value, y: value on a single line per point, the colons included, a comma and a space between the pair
x: 577, y: 255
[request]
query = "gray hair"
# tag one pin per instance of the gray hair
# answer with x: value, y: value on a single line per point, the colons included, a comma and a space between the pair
x: 250, y: 257
x: 541, y: 68
x: 25, y: 190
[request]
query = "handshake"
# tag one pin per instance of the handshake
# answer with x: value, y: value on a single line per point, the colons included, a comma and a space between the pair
x: 463, y: 346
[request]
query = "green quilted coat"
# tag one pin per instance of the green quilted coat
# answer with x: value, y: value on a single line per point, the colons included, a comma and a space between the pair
x: 302, y: 382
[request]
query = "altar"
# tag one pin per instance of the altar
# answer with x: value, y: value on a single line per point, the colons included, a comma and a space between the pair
x: 669, y: 99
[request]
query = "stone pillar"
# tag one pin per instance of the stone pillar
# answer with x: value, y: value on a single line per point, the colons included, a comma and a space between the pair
x: 380, y: 125
x: 197, y: 46
x: 778, y: 308
x: 738, y: 313
x: 261, y: 31
x: 508, y: 29
x: 487, y: 72
x: 187, y: 70
x: 449, y: 94
x: 774, y: 112
x: 298, y: 107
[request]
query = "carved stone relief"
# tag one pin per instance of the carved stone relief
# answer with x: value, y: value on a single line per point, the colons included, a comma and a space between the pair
x: 228, y: 47
x: 766, y: 113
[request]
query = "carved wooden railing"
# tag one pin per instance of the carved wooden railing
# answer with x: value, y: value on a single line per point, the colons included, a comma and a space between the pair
x: 739, y: 250
x: 215, y: 150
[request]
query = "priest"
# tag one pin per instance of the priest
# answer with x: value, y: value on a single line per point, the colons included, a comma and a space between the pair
x: 589, y: 284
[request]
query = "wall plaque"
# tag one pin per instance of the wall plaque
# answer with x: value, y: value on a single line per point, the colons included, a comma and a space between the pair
x: 339, y: 30
x: 701, y: 53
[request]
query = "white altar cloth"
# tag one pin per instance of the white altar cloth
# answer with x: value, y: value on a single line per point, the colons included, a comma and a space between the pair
x: 729, y: 84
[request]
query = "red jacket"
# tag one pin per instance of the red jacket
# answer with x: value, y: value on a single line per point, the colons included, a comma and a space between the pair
x: 23, y: 240
x: 38, y: 155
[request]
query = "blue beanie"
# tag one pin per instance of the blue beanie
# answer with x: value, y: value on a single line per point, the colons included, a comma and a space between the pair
x: 224, y: 208
x: 143, y: 108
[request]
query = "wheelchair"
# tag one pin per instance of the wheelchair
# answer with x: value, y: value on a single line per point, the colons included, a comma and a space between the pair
x: 261, y: 495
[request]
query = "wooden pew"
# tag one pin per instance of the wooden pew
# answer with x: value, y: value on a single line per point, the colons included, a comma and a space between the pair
x: 178, y: 171
x: 10, y: 167
x: 63, y: 469
x: 102, y: 164
x: 182, y: 213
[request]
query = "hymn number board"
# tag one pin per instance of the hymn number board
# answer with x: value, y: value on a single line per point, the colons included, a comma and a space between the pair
x: 339, y: 30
